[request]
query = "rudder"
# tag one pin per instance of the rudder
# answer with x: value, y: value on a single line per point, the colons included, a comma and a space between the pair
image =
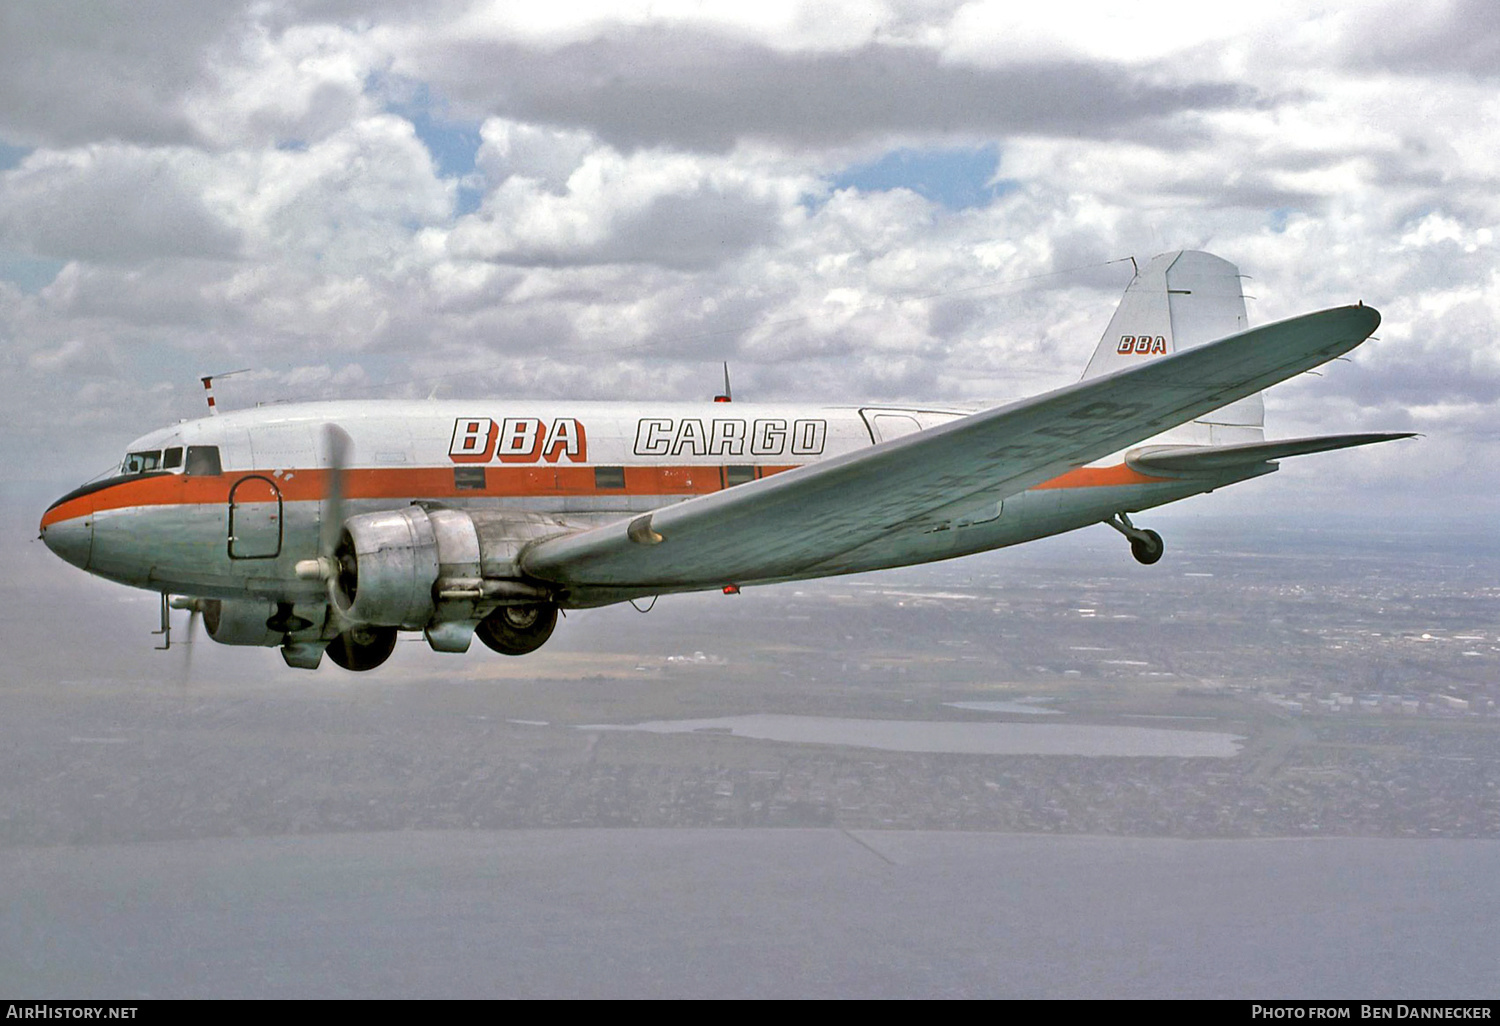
x: 1178, y: 301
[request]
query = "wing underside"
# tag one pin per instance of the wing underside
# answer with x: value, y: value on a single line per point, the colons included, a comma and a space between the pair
x: 779, y: 525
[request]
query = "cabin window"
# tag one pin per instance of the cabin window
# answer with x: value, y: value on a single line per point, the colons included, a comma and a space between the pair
x: 609, y: 477
x: 468, y: 478
x: 172, y: 458
x: 203, y: 460
x: 141, y: 462
x: 738, y: 475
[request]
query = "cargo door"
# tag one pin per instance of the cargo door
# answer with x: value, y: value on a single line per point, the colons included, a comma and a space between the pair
x: 254, y: 519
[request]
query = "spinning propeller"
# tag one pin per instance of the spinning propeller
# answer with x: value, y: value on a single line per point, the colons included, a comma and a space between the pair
x: 337, y: 446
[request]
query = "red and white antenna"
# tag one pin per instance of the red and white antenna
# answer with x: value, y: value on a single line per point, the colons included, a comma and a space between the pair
x: 726, y: 396
x: 208, y: 387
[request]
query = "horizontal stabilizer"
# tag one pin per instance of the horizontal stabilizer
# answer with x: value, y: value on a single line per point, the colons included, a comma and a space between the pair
x: 1186, y: 459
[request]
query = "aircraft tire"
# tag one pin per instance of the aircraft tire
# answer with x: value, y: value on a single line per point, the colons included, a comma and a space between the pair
x: 362, y: 648
x: 517, y: 630
x: 1147, y: 550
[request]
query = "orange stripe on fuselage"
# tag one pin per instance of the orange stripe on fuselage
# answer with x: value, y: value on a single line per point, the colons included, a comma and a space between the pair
x: 439, y: 483
x: 1100, y: 477
x: 397, y: 483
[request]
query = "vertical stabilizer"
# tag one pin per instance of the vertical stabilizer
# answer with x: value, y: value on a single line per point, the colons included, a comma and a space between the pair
x: 1177, y: 301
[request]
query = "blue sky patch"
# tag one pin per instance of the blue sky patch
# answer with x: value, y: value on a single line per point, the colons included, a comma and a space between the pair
x: 453, y: 143
x: 958, y: 179
x: 30, y: 274
x: 468, y: 200
x: 11, y: 156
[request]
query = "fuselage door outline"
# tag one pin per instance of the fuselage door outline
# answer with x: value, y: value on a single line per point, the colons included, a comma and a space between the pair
x: 255, y: 518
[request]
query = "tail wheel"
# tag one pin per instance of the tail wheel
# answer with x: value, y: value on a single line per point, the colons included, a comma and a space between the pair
x: 1147, y: 548
x: 362, y: 648
x: 517, y: 630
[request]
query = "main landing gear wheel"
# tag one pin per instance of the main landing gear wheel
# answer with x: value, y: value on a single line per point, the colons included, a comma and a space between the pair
x: 517, y: 630
x: 362, y: 648
x: 1147, y: 548
x: 1145, y: 545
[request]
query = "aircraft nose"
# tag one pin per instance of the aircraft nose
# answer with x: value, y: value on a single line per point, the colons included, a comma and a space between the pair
x: 71, y: 538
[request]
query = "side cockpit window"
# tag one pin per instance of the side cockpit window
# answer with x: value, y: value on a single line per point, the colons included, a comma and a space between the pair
x: 171, y: 459
x: 203, y: 460
x: 141, y: 462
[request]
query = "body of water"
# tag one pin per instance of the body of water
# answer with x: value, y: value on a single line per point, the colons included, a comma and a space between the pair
x: 953, y: 737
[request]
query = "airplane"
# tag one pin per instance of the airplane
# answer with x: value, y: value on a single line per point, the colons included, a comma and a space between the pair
x: 330, y: 527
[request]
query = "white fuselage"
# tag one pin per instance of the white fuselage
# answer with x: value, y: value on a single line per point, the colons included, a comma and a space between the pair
x: 240, y: 531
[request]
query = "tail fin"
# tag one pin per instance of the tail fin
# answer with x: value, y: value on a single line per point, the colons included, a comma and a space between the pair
x: 1178, y: 301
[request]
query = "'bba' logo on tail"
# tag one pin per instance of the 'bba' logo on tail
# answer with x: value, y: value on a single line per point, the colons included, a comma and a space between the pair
x: 1140, y: 345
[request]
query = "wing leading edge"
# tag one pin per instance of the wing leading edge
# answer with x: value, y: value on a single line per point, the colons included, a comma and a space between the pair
x: 779, y: 525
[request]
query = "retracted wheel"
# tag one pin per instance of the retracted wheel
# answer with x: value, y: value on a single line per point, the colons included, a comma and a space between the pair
x: 284, y: 621
x: 362, y: 648
x: 1147, y: 547
x: 517, y: 630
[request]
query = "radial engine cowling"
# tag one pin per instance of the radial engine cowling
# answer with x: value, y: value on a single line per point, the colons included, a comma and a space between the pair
x: 241, y: 622
x: 388, y: 563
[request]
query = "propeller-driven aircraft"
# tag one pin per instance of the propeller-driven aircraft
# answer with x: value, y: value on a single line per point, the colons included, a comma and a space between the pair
x: 332, y: 526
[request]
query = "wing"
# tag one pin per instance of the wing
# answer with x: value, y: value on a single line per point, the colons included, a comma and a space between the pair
x: 1189, y: 459
x: 780, y: 525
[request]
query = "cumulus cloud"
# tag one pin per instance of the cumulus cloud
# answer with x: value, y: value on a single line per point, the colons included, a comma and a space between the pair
x: 112, y: 203
x: 351, y: 202
x: 82, y: 71
x: 560, y: 199
x: 545, y: 155
x: 299, y: 85
x: 690, y: 88
x: 365, y: 199
x: 1458, y: 37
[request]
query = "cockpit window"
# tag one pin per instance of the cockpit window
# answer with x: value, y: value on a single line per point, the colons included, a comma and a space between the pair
x: 172, y: 458
x: 141, y: 462
x: 204, y: 460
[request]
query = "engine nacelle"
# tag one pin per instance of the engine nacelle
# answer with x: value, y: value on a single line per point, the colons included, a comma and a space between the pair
x: 417, y: 566
x: 387, y: 565
x: 240, y: 622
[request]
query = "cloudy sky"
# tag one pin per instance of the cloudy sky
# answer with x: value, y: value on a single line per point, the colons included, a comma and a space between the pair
x: 846, y: 200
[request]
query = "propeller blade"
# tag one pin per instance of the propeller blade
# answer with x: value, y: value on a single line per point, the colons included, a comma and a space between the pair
x: 337, y: 447
x: 192, y: 636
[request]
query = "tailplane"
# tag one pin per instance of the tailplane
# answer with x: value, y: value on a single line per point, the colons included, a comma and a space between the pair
x: 1178, y: 301
x: 1197, y: 459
